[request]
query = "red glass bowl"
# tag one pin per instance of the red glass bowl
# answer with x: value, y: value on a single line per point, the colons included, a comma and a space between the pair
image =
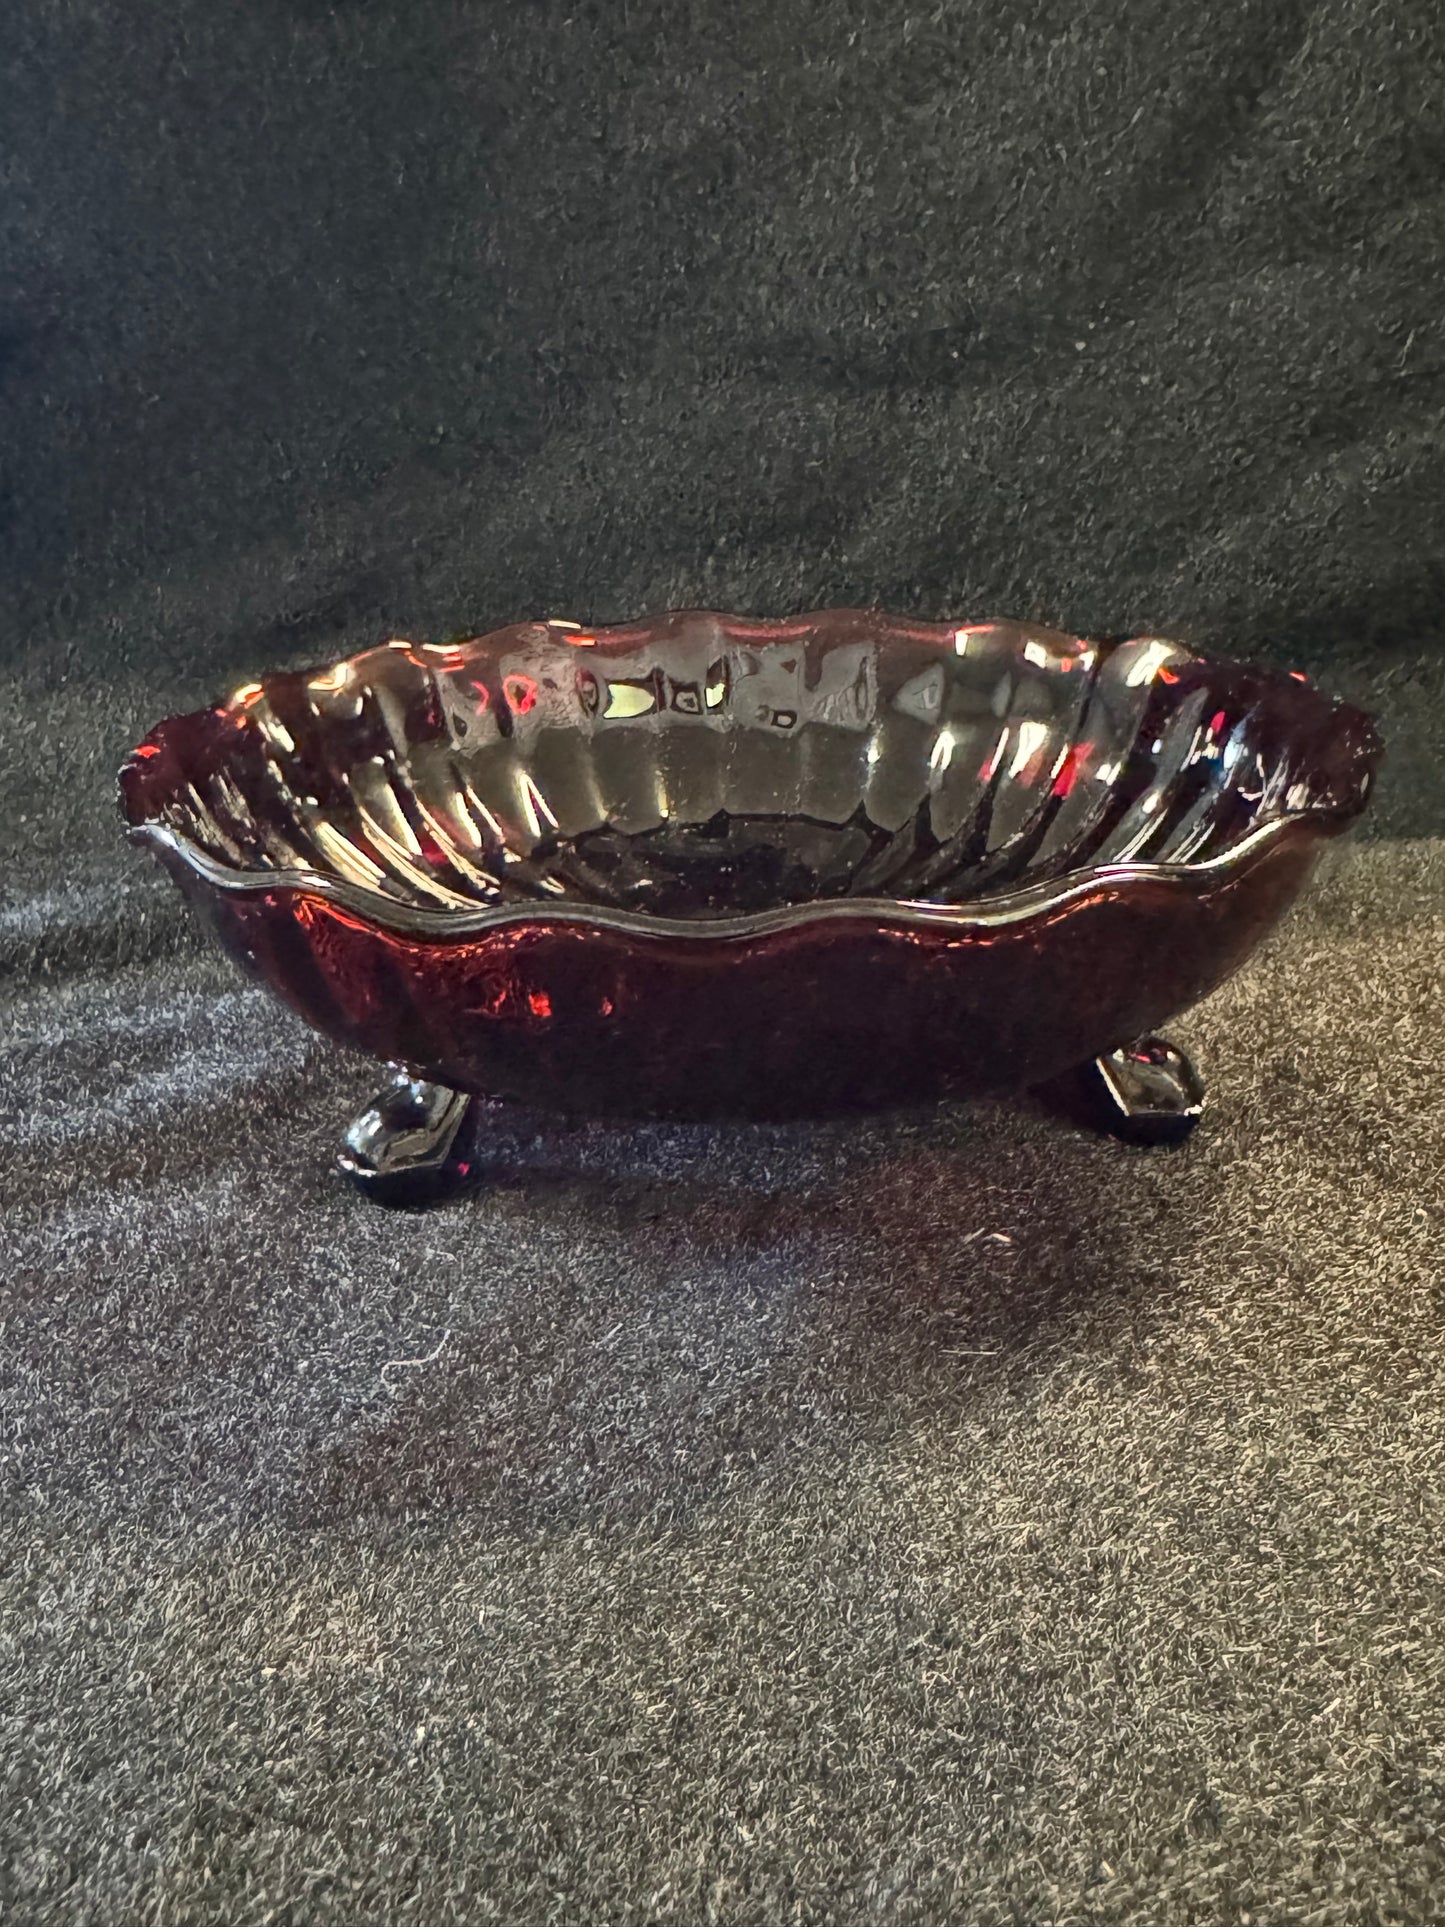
x: 702, y: 865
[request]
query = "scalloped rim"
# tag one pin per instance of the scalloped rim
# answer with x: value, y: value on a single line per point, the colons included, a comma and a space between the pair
x: 1015, y: 906
x: 1009, y: 907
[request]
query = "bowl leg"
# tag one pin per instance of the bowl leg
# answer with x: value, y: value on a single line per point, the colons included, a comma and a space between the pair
x: 408, y: 1146
x: 1144, y: 1093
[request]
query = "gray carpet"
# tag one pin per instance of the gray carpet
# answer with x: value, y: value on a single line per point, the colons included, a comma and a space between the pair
x: 939, y: 1518
x: 942, y: 1517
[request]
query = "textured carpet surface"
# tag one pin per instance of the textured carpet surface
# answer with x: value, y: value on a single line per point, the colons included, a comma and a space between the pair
x: 946, y: 1517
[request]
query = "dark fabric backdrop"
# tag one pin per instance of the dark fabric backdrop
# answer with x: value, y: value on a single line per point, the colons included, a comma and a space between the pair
x: 324, y: 320
x: 936, y: 1518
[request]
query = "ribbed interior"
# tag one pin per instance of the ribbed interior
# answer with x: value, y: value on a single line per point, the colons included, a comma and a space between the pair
x: 708, y: 768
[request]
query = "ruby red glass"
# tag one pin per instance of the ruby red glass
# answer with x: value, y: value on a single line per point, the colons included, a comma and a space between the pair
x: 704, y: 866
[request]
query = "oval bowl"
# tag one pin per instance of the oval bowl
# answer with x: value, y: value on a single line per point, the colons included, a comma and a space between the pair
x: 703, y: 865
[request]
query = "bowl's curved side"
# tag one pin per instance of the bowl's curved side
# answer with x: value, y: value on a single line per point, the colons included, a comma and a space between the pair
x: 819, y: 1015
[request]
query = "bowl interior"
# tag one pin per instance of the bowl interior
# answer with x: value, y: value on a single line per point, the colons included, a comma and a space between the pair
x: 701, y: 766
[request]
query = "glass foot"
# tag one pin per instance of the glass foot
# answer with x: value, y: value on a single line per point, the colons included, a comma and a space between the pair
x: 407, y: 1147
x: 1145, y: 1093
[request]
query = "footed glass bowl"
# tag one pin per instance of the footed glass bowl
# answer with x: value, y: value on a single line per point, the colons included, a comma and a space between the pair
x: 707, y: 866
